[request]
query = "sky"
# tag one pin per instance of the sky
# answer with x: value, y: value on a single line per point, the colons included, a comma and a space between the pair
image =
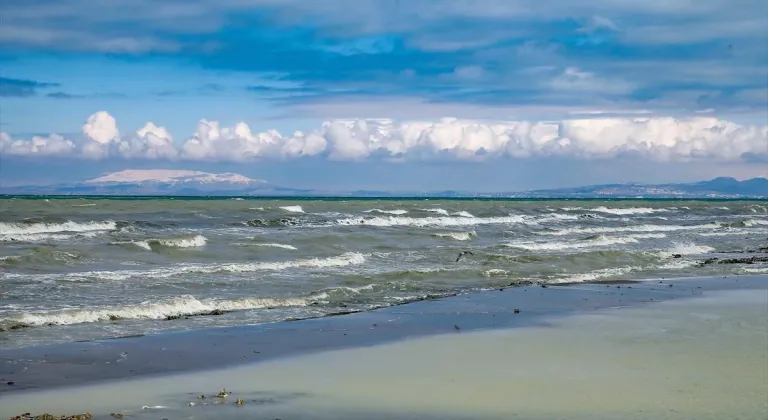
x: 485, y: 95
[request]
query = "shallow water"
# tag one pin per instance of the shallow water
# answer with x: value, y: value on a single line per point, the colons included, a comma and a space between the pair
x: 76, y: 269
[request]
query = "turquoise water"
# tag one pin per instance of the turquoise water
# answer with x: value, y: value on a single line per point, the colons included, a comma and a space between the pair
x: 80, y: 268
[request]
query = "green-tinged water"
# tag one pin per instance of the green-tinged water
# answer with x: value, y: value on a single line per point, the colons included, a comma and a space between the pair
x: 84, y: 268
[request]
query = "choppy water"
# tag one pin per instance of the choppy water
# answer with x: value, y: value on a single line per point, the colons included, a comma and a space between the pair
x: 75, y: 269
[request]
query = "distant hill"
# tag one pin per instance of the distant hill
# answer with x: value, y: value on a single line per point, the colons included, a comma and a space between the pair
x: 195, y: 183
x: 716, y: 188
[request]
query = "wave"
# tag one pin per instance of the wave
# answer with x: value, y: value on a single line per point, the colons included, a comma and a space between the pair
x: 164, y: 309
x: 293, y: 209
x: 349, y: 258
x: 183, y: 242
x: 428, y: 221
x: 596, y: 275
x: 395, y: 212
x: 628, y: 210
x: 16, y: 228
x: 35, y: 237
x: 268, y: 245
x: 638, y: 228
x: 589, y: 242
x: 437, y: 210
x: 685, y: 248
x: 282, y: 221
x: 459, y: 236
x: 443, y: 212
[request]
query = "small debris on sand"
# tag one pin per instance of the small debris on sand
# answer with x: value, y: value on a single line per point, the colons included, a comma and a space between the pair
x: 46, y: 416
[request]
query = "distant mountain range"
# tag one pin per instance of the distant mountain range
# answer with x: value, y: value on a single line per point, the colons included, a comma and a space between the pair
x: 195, y: 183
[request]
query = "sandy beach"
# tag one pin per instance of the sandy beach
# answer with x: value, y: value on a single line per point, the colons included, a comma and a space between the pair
x: 665, y: 349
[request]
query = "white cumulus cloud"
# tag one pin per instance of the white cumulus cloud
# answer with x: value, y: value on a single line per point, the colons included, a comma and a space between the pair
x: 663, y: 139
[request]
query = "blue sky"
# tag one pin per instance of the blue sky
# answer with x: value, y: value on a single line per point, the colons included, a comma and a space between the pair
x: 535, y: 93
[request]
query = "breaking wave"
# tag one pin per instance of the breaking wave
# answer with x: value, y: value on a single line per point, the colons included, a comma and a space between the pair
x: 589, y: 242
x: 395, y: 212
x: 269, y: 245
x: 686, y: 248
x: 597, y: 275
x: 459, y: 236
x: 151, y: 244
x: 293, y: 209
x: 282, y: 221
x: 628, y: 211
x: 349, y: 258
x: 164, y: 309
x: 428, y: 221
x: 437, y: 210
x: 639, y: 228
x: 16, y: 228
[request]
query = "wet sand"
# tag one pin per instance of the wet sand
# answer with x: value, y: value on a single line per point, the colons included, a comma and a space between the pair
x: 682, y: 349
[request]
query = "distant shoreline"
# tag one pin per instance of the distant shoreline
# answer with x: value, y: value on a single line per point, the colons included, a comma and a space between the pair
x: 365, y: 198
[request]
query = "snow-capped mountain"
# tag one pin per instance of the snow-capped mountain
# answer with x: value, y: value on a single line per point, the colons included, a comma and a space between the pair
x: 160, y: 182
x: 170, y: 176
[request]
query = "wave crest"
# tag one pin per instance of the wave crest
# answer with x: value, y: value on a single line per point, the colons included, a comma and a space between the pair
x: 458, y: 236
x: 428, y: 221
x: 293, y: 209
x: 164, y: 309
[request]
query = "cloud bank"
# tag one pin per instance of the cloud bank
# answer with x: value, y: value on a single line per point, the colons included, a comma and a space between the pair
x: 660, y: 139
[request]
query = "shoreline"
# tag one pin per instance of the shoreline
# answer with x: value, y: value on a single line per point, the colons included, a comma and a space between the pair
x: 658, y: 349
x: 82, y: 363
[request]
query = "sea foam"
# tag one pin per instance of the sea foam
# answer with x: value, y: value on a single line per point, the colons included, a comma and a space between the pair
x: 293, y: 209
x: 178, y: 306
x: 11, y: 228
x: 349, y: 258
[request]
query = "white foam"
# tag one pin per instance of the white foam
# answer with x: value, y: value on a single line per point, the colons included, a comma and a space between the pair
x: 293, y: 209
x: 438, y: 211
x: 464, y: 214
x: 459, y: 236
x: 755, y: 222
x: 182, y: 305
x: 429, y: 221
x: 599, y: 241
x: 597, y: 274
x: 495, y: 272
x: 272, y: 245
x: 638, y: 228
x: 754, y: 270
x: 628, y: 210
x: 349, y: 258
x: 35, y: 237
x: 184, y: 242
x: 69, y: 226
x: 193, y: 242
x: 686, y: 248
x: 395, y: 212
